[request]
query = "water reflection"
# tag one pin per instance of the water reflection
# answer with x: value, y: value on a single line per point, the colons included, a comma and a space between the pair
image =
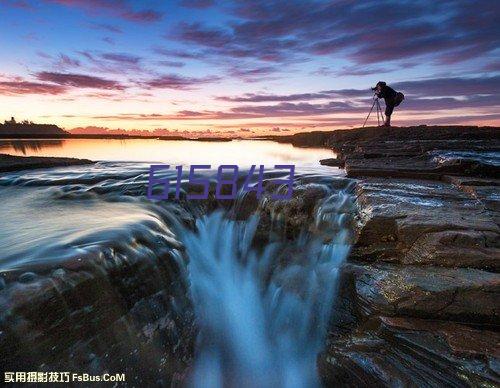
x: 26, y: 147
x: 241, y: 152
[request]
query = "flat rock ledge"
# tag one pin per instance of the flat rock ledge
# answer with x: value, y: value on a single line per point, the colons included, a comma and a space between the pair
x: 420, y: 299
x: 16, y: 163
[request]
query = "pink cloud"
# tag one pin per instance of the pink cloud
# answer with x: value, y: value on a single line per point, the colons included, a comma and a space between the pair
x: 19, y: 86
x: 79, y: 80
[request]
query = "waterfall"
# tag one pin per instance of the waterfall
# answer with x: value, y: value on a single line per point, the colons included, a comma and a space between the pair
x: 263, y: 312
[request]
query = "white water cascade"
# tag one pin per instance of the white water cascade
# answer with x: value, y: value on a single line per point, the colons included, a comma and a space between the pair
x: 263, y: 312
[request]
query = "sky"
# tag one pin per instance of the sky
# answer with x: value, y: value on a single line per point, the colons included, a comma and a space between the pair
x: 246, y: 67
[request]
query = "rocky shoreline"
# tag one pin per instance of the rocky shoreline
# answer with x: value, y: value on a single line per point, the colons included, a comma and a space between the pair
x: 421, y: 290
x: 16, y: 163
x: 418, y: 302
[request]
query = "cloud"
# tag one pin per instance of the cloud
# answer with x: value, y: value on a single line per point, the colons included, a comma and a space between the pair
x: 246, y: 112
x: 437, y: 95
x: 204, y: 35
x: 448, y: 103
x: 122, y: 58
x: 171, y: 63
x: 362, y: 70
x: 96, y: 130
x: 227, y: 43
x: 59, y: 62
x: 119, y: 63
x: 174, y: 81
x: 281, y: 32
x: 434, y: 87
x: 288, y: 109
x: 79, y: 80
x: 108, y: 40
x: 120, y: 8
x: 452, y: 86
x: 21, y: 87
x: 493, y: 66
x: 199, y: 4
x: 19, y: 4
x: 486, y: 119
x: 253, y: 97
x: 64, y: 61
x: 177, y: 53
x: 107, y: 27
x: 43, y: 55
x: 325, y: 94
x: 253, y: 73
x: 146, y: 16
x: 324, y: 71
x: 31, y: 36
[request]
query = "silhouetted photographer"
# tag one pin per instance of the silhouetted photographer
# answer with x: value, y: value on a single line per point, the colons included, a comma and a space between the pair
x: 391, y: 97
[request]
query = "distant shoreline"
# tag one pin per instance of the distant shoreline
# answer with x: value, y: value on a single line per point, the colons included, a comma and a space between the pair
x: 300, y: 139
x: 97, y: 136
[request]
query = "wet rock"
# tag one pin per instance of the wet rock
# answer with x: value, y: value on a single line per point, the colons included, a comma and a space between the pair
x: 412, y: 352
x: 419, y: 152
x: 60, y: 272
x: 424, y: 268
x: 409, y: 147
x: 333, y: 162
x: 27, y: 277
x: 464, y: 182
x: 484, y: 190
x: 465, y: 295
x: 290, y: 216
x: 403, y: 221
x: 456, y: 248
x: 425, y: 166
x: 309, y: 139
x: 131, y: 316
x: 344, y: 314
x: 413, y: 133
x: 430, y: 134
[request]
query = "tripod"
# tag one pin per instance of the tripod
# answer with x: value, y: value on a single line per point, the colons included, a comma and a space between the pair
x: 380, y: 113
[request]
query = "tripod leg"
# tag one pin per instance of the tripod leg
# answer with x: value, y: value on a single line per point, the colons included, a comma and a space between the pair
x: 382, y: 115
x: 369, y: 113
x: 378, y: 113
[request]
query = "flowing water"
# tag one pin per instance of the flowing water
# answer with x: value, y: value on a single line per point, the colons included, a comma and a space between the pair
x: 263, y: 314
x: 260, y: 276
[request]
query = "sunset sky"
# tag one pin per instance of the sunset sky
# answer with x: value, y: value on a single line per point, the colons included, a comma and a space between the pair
x: 246, y: 67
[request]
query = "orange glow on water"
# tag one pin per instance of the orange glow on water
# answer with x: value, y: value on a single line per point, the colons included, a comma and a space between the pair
x: 241, y: 152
